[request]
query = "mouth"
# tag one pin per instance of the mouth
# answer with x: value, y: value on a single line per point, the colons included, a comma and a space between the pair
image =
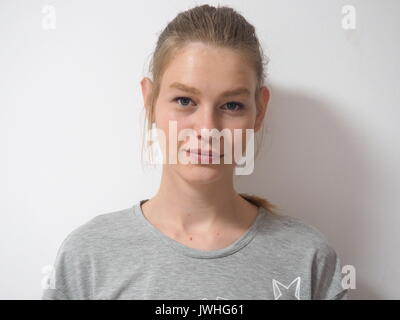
x: 205, y: 153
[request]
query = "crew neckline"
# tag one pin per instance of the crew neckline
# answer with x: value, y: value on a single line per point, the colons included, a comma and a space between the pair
x: 197, y: 253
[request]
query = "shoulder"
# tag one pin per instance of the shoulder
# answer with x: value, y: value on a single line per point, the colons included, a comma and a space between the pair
x: 308, y: 251
x: 295, y: 233
x: 82, y: 252
x: 100, y: 227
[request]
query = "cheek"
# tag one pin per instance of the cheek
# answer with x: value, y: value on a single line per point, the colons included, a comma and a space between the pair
x: 171, y: 126
x: 239, y: 139
x: 164, y: 117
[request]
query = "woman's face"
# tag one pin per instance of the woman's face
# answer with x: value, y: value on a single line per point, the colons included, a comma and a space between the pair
x: 192, y: 94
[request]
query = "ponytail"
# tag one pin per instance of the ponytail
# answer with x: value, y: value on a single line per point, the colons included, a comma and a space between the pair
x: 260, y: 202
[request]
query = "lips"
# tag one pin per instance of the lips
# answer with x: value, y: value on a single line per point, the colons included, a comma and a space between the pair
x: 209, y: 153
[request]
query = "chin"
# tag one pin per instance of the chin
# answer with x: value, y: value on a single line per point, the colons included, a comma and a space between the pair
x: 203, y: 174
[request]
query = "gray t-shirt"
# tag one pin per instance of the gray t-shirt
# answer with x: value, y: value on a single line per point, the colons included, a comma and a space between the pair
x: 121, y: 255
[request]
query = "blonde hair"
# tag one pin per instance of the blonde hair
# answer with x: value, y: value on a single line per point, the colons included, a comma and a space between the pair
x: 219, y: 26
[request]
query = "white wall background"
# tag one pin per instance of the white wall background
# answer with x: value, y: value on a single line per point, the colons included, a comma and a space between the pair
x: 71, y: 119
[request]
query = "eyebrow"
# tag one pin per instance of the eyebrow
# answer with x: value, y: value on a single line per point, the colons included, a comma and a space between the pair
x: 228, y: 93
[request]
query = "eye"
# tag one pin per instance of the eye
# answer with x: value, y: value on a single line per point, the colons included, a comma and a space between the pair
x: 230, y: 105
x: 184, y: 99
x: 233, y: 104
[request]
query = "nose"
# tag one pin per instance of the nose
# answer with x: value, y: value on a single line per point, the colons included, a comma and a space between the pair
x: 206, y: 124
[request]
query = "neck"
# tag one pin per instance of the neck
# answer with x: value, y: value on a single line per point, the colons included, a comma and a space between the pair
x: 197, y: 207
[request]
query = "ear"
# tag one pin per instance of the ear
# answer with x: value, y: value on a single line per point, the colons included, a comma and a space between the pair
x: 262, y: 104
x: 147, y: 87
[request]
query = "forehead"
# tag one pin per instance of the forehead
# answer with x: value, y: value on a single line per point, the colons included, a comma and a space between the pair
x: 209, y: 69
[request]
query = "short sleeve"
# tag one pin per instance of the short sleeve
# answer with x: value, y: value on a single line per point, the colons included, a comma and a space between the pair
x: 70, y: 278
x: 327, y: 276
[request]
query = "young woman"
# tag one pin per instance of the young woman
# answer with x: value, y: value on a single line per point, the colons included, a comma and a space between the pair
x: 197, y: 238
